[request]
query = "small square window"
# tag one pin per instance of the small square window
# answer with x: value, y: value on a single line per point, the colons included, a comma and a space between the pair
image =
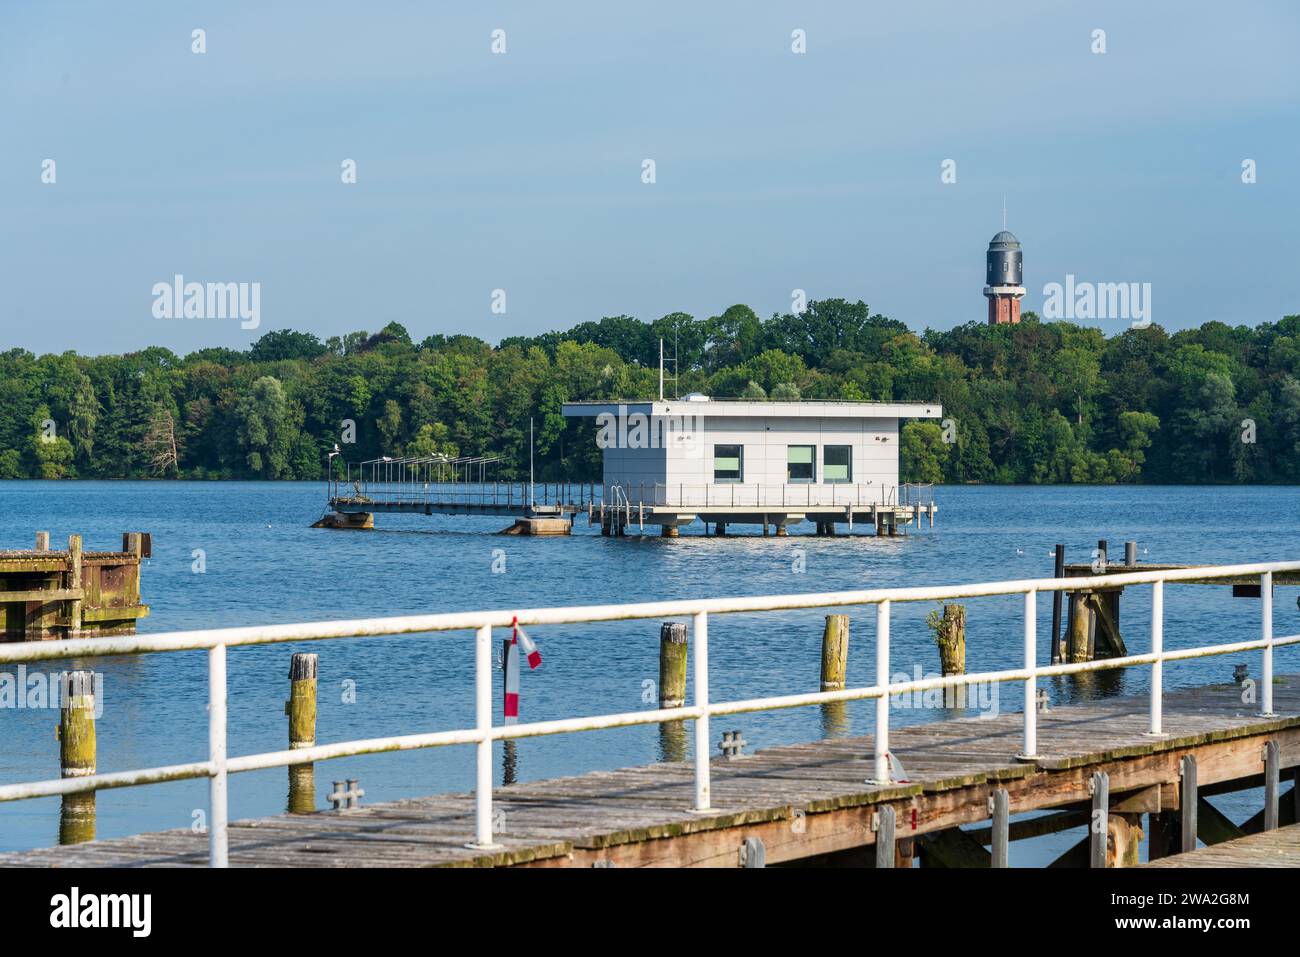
x: 837, y: 463
x: 728, y: 463
x: 800, y: 463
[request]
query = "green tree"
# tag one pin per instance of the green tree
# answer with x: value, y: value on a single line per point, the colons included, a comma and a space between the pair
x: 922, y: 453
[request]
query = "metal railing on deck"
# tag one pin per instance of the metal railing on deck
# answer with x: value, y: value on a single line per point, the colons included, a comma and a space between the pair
x: 797, y: 496
x: 219, y: 765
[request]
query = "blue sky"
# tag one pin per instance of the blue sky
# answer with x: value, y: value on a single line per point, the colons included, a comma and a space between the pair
x: 522, y: 171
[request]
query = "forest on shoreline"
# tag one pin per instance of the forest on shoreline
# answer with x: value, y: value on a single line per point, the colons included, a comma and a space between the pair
x: 1040, y: 402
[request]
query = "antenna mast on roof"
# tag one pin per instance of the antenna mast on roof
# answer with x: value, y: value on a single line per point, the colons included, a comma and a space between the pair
x: 1004, y: 210
x: 661, y: 369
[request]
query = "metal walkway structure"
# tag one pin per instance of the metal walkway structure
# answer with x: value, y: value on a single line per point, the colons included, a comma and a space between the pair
x: 437, y: 484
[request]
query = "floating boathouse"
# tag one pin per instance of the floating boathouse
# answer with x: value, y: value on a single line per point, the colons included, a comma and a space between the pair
x: 774, y: 464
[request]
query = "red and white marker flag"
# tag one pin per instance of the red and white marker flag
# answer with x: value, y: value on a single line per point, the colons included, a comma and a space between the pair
x: 530, y: 649
x: 519, y: 641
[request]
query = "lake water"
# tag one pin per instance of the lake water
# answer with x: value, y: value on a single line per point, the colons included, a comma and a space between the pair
x: 264, y: 565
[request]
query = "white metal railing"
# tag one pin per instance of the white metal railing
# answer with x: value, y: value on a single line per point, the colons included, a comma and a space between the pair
x: 219, y: 765
x: 791, y: 496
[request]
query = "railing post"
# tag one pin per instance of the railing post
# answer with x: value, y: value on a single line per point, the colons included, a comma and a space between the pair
x: 1266, y: 596
x: 217, y: 847
x: 882, y: 681
x: 483, y: 722
x: 1031, y: 682
x: 702, y: 744
x: 1157, y: 649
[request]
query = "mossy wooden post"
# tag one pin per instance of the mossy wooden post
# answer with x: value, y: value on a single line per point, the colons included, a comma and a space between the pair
x: 42, y: 541
x: 77, y: 753
x: 74, y: 581
x: 835, y: 652
x: 673, y: 654
x: 1124, y: 839
x: 301, y: 709
x: 1080, y: 627
x: 949, y: 629
x: 673, y: 651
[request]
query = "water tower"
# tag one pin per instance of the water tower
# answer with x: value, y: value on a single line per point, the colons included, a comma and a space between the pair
x: 1003, y: 278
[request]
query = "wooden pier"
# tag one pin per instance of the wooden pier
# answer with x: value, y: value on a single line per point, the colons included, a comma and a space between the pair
x: 1276, y: 848
x: 811, y: 804
x: 71, y: 593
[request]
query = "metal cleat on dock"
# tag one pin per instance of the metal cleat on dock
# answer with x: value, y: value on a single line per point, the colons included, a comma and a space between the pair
x: 346, y: 799
x: 732, y: 745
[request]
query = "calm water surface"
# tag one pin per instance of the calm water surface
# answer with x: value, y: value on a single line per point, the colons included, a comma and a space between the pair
x: 265, y: 565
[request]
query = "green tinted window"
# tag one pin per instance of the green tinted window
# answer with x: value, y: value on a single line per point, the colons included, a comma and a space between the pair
x: 837, y: 463
x: 799, y: 463
x: 728, y: 463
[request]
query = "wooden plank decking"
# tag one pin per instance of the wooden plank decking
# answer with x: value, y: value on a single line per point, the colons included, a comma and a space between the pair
x: 1276, y: 848
x: 802, y: 800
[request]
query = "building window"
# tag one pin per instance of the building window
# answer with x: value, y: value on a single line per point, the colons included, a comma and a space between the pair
x: 728, y: 463
x: 837, y: 463
x: 800, y: 463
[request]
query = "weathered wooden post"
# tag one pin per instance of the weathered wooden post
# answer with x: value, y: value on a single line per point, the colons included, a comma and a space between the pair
x: 835, y: 652
x: 74, y: 581
x: 301, y: 709
x: 42, y: 541
x: 77, y: 754
x: 673, y: 653
x: 1080, y: 627
x: 1123, y: 839
x: 949, y: 631
x: 1099, y: 828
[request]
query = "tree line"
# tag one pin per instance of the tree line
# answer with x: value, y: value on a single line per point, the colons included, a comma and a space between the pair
x: 1040, y: 402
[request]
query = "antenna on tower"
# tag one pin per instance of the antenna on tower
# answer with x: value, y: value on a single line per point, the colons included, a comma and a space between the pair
x: 1004, y: 210
x: 661, y: 369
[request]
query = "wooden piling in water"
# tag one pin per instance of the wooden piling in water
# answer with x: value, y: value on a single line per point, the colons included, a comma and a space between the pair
x: 673, y: 653
x: 74, y: 581
x: 835, y: 652
x: 1079, y: 627
x: 42, y: 541
x: 949, y: 631
x: 301, y: 709
x: 77, y: 754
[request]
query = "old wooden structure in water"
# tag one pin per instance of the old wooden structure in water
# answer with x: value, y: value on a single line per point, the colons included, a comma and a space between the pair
x: 67, y: 593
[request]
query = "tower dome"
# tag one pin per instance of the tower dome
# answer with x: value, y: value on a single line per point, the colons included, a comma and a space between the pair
x: 1003, y: 261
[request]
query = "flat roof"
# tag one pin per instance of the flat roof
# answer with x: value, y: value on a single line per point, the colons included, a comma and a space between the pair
x: 740, y: 408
